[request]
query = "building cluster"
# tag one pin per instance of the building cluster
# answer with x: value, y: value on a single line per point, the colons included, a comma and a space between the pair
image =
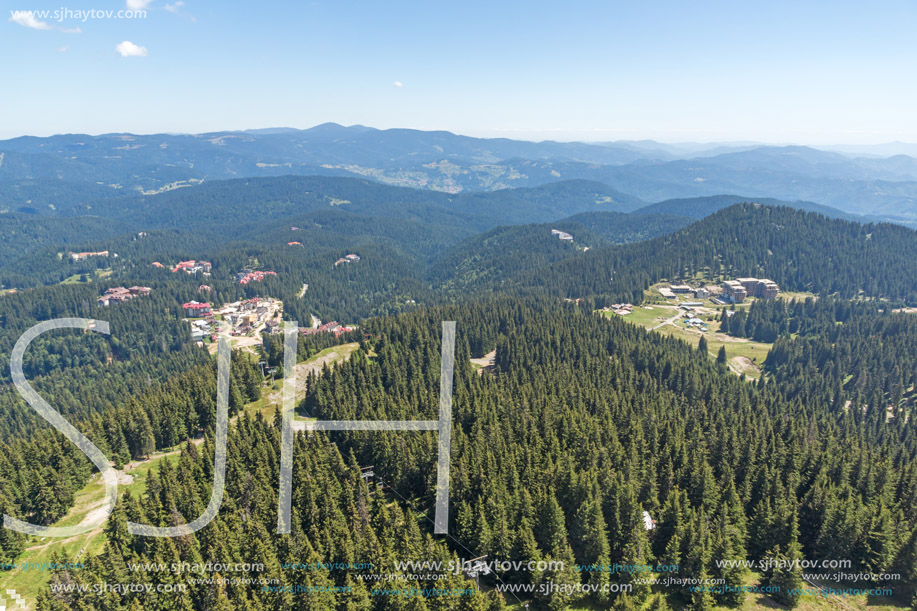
x: 561, y: 235
x: 204, y: 327
x: 79, y: 256
x: 691, y: 320
x: 120, y: 294
x: 329, y: 327
x: 250, y: 315
x: 731, y: 291
x: 193, y: 267
x: 673, y: 290
x: 247, y: 275
x: 245, y: 318
x: 735, y: 291
x: 346, y: 259
x: 621, y: 309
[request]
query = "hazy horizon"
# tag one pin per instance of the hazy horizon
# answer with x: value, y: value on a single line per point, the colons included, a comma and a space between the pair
x: 535, y: 136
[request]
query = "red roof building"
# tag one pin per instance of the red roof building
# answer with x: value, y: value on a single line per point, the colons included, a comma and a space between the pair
x: 329, y: 327
x: 118, y: 294
x: 254, y: 276
x: 196, y: 310
x: 184, y: 265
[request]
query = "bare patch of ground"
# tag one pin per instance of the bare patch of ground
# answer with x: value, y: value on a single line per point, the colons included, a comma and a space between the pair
x: 179, y: 184
x: 743, y: 365
x: 247, y: 344
x: 96, y: 515
x: 486, y: 362
x: 729, y: 339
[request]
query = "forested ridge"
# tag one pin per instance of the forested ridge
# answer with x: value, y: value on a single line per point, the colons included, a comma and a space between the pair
x: 582, y: 424
x: 766, y: 320
x: 428, y: 260
x: 801, y: 251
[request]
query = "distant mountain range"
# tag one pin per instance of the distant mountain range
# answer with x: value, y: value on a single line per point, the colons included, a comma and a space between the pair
x: 42, y: 175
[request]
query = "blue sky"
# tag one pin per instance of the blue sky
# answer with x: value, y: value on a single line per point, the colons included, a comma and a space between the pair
x: 803, y: 72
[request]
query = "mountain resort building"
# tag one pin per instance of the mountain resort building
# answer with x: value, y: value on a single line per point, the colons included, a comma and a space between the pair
x: 737, y: 290
x: 196, y: 310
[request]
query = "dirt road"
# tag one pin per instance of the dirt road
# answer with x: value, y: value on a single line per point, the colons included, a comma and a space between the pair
x: 668, y: 321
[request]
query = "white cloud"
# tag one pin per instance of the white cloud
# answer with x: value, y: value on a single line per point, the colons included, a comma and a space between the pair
x: 75, y: 30
x: 398, y: 84
x: 28, y: 20
x: 178, y: 8
x: 138, y: 5
x: 63, y: 49
x: 129, y: 49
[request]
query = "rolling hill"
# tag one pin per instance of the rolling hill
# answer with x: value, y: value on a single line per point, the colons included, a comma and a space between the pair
x: 699, y: 207
x: 37, y: 174
x: 801, y: 251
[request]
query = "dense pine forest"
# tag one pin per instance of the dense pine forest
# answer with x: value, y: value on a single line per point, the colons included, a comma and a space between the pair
x: 582, y: 424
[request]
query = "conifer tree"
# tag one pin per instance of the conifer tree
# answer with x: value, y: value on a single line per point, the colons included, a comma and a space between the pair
x: 702, y: 346
x: 721, y: 356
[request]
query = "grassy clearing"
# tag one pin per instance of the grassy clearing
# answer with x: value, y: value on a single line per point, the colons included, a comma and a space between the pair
x: 75, y: 278
x: 659, y: 310
x: 736, y: 347
x: 647, y: 316
x: 271, y: 398
x: 73, y: 549
x: 798, y: 295
x: 342, y: 351
x: 263, y: 406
